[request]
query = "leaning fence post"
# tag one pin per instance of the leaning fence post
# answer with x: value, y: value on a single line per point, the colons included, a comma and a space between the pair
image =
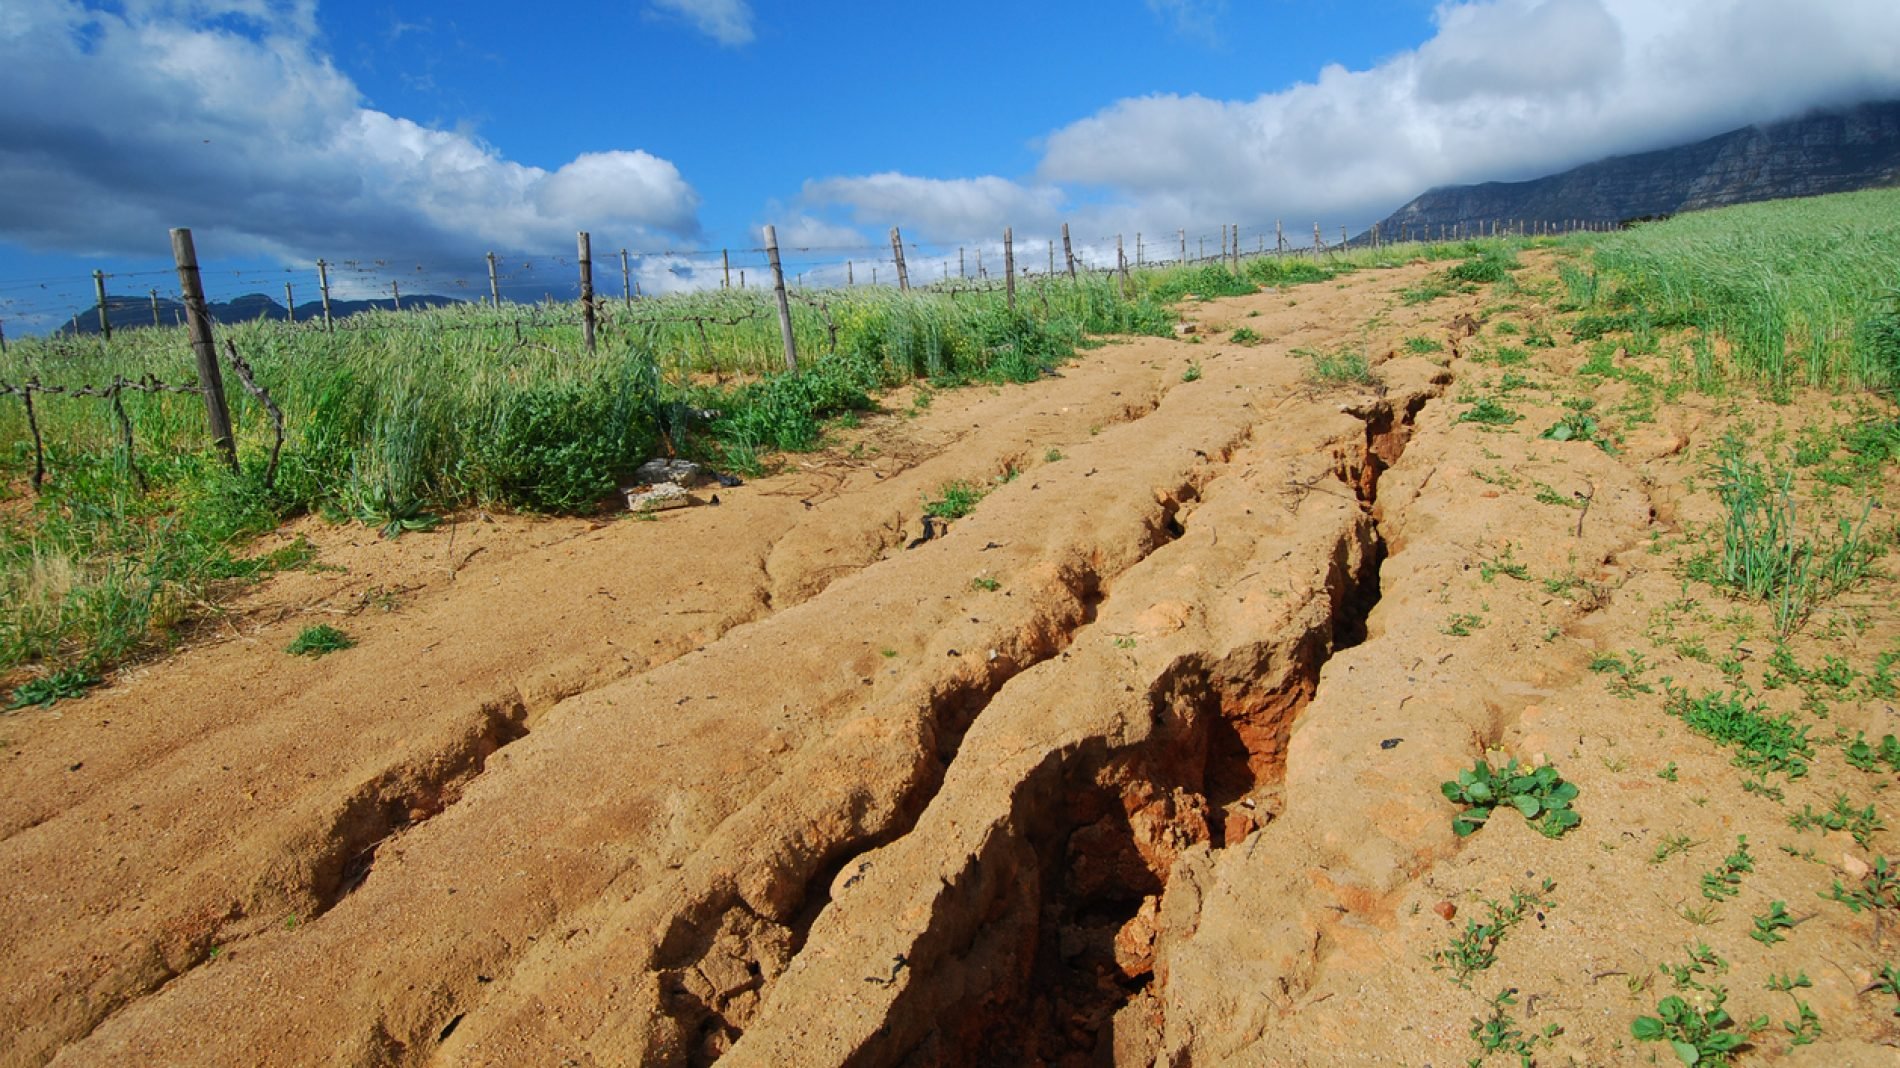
x: 323, y: 284
x: 785, y: 305
x: 586, y: 255
x: 1121, y: 263
x: 290, y: 305
x: 897, y: 253
x: 395, y: 293
x: 99, y: 287
x: 1068, y: 251
x: 494, y: 283
x: 626, y: 280
x: 1009, y: 264
x: 203, y: 348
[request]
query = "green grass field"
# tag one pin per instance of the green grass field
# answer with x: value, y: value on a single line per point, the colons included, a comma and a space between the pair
x: 395, y: 417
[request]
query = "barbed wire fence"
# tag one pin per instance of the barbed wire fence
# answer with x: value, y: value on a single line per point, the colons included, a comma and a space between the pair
x: 734, y: 280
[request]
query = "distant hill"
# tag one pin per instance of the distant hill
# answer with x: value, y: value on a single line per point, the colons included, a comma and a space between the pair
x: 129, y: 312
x: 1824, y: 152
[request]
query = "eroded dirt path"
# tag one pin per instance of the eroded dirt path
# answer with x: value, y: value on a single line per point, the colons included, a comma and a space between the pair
x: 1138, y: 764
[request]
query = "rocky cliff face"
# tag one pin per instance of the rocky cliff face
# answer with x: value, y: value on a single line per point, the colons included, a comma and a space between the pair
x: 1833, y: 152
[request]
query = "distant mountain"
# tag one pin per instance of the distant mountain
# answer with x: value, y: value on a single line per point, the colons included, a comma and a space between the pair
x: 1823, y: 152
x: 129, y: 312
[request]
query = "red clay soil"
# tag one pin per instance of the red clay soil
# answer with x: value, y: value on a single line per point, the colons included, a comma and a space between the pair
x: 1137, y: 764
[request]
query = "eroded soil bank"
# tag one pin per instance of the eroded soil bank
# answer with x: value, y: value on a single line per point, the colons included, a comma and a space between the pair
x: 1138, y: 764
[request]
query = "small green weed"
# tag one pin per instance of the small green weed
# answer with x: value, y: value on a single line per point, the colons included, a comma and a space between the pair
x: 954, y: 500
x: 1193, y: 372
x: 986, y: 584
x: 320, y: 640
x: 1879, y: 890
x: 1760, y: 741
x: 1541, y: 795
x: 1843, y: 816
x: 1476, y: 947
x: 1462, y: 624
x: 1488, y: 412
x: 1671, y: 846
x: 1497, y: 1032
x: 64, y: 684
x: 1695, y: 1035
x: 1769, y: 925
x: 1423, y: 346
x: 1726, y: 880
x: 1245, y: 335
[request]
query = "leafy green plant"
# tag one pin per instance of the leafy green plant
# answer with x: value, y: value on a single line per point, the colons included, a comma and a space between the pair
x: 986, y: 584
x: 1626, y: 676
x: 1476, y: 947
x: 954, y: 500
x: 1497, y: 1032
x: 1423, y: 346
x: 1703, y: 961
x: 1868, y: 758
x: 1193, y: 372
x: 1488, y: 412
x: 1541, y: 795
x: 1462, y: 625
x: 64, y: 684
x: 319, y: 640
x: 1726, y: 880
x: 1879, y: 890
x: 1245, y: 335
x: 1578, y: 424
x: 1761, y: 741
x: 1842, y: 816
x: 1888, y: 983
x: 1672, y: 845
x: 1696, y: 1035
x: 1769, y: 925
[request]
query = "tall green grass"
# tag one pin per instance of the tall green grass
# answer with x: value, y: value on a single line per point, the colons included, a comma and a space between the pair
x: 393, y: 417
x: 1800, y: 291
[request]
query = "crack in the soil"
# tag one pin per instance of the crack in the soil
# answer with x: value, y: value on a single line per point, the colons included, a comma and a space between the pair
x: 1075, y: 949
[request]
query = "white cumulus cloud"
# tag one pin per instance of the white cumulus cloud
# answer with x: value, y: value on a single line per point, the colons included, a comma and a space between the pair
x: 727, y: 21
x: 225, y: 116
x: 1503, y: 90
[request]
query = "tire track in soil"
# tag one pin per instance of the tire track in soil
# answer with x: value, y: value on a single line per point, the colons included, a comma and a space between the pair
x: 403, y: 1025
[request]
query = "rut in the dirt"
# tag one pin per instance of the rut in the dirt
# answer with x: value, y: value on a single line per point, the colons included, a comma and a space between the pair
x: 1037, y: 917
x: 1105, y: 852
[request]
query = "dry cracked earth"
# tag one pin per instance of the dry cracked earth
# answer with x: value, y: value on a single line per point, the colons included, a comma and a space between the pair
x: 1137, y: 764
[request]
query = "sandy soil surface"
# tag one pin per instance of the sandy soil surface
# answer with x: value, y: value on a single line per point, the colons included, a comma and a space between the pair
x: 1138, y: 763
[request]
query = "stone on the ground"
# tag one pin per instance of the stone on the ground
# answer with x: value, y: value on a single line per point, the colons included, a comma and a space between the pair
x: 684, y: 473
x: 663, y: 496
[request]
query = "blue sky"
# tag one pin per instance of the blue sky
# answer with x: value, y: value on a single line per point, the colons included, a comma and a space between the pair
x: 403, y: 142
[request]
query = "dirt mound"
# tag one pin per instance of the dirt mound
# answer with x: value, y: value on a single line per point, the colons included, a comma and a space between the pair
x: 1138, y: 763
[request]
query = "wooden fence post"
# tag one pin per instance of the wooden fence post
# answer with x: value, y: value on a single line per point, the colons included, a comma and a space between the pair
x: 585, y: 250
x: 1318, y: 242
x: 1068, y: 251
x: 1121, y: 263
x: 626, y: 280
x: 395, y: 293
x: 323, y: 287
x: 1009, y: 265
x: 494, y: 283
x: 1236, y: 228
x: 155, y: 321
x: 897, y: 253
x: 1140, y: 252
x: 99, y: 287
x: 962, y: 270
x: 1343, y: 242
x: 1223, y: 244
x: 3, y: 337
x: 203, y: 346
x: 784, y: 304
x: 850, y: 272
x: 1279, y: 238
x: 1183, y: 235
x: 725, y: 260
x: 290, y: 305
